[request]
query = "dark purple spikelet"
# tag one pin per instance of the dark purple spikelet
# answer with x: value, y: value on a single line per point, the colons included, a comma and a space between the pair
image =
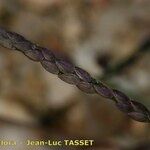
x: 50, y: 66
x: 64, y: 66
x: 5, y: 41
x: 103, y: 90
x: 119, y: 96
x: 138, y: 106
x: 86, y: 87
x: 15, y: 37
x: 34, y: 55
x: 83, y: 75
x: 24, y: 46
x: 140, y: 113
x: 124, y: 107
x: 122, y: 101
x: 19, y: 42
x: 69, y: 78
x: 139, y: 117
x: 48, y: 55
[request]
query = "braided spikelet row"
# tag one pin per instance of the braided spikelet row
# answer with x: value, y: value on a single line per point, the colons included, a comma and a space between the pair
x: 73, y: 75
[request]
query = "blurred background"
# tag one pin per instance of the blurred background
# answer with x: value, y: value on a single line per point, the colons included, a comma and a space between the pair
x: 108, y: 38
